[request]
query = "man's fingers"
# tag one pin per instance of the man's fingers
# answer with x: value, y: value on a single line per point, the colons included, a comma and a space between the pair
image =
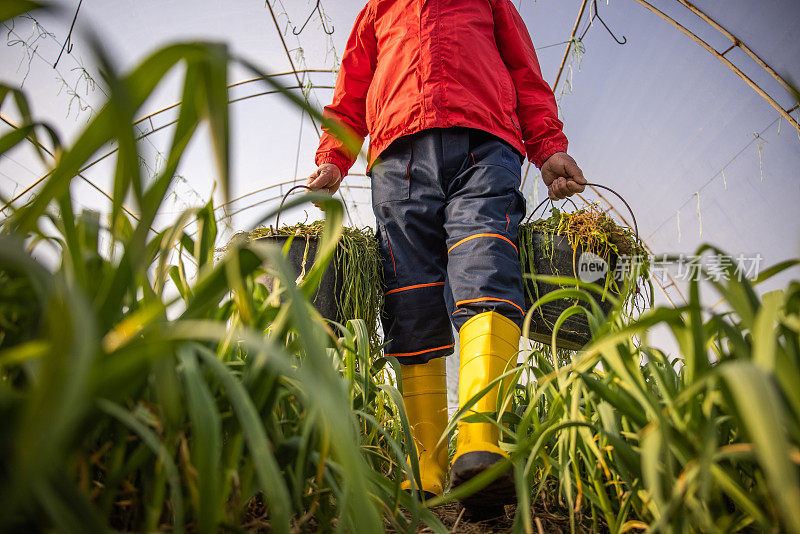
x: 548, y: 176
x: 324, y: 179
x: 562, y: 176
x: 319, y: 179
x: 563, y: 188
x: 555, y: 194
x: 575, y: 187
x: 312, y: 179
x: 333, y: 186
x: 557, y: 189
x: 326, y: 176
x: 574, y: 172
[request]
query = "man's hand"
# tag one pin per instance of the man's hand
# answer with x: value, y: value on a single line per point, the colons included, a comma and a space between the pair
x: 327, y: 177
x: 562, y: 176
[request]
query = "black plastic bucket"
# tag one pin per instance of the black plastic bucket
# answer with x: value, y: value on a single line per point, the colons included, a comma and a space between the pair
x: 326, y: 297
x: 554, y: 256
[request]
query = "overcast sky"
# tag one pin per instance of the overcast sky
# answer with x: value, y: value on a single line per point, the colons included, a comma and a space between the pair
x: 658, y: 119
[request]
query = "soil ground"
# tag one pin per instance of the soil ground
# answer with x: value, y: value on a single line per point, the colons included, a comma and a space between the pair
x: 545, y: 521
x: 549, y: 518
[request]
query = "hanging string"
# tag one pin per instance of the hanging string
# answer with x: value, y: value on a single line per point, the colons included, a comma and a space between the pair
x: 759, y: 139
x: 699, y: 215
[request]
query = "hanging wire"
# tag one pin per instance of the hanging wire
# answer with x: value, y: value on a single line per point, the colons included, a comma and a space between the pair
x: 318, y: 9
x: 596, y: 15
x: 595, y: 185
x: 280, y: 206
x: 68, y: 41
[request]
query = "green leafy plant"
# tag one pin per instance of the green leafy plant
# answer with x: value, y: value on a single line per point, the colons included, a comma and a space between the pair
x: 622, y: 436
x: 356, y: 266
x: 562, y: 245
x: 587, y: 230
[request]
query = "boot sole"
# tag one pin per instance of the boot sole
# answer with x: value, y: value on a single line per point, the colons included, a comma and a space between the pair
x: 489, y: 501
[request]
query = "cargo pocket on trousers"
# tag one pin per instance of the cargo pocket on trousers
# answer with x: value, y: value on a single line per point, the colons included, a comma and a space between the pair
x: 515, y: 212
x: 387, y: 258
x: 391, y: 173
x: 511, y: 159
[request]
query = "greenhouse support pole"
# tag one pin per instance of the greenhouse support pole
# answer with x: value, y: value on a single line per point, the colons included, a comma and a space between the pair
x: 737, y: 43
x: 569, y: 43
x: 724, y: 60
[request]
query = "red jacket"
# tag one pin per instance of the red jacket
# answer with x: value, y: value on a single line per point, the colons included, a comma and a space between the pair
x: 410, y: 65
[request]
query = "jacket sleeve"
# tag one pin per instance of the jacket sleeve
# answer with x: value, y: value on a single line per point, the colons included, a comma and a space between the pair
x: 350, y: 94
x: 536, y: 105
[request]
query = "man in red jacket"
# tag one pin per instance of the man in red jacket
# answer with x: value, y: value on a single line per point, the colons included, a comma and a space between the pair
x: 452, y: 97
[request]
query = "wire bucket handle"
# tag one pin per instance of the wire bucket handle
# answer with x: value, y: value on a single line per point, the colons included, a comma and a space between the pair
x: 280, y: 206
x: 635, y: 225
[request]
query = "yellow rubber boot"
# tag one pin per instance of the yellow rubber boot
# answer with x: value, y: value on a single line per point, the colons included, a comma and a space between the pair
x: 488, y: 341
x: 425, y: 400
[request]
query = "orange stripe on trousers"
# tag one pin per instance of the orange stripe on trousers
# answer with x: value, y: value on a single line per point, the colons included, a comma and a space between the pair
x: 504, y: 238
x: 406, y: 288
x: 401, y: 354
x: 392, y: 254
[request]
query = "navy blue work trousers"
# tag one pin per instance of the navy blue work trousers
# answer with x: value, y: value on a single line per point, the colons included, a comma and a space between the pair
x: 447, y: 204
